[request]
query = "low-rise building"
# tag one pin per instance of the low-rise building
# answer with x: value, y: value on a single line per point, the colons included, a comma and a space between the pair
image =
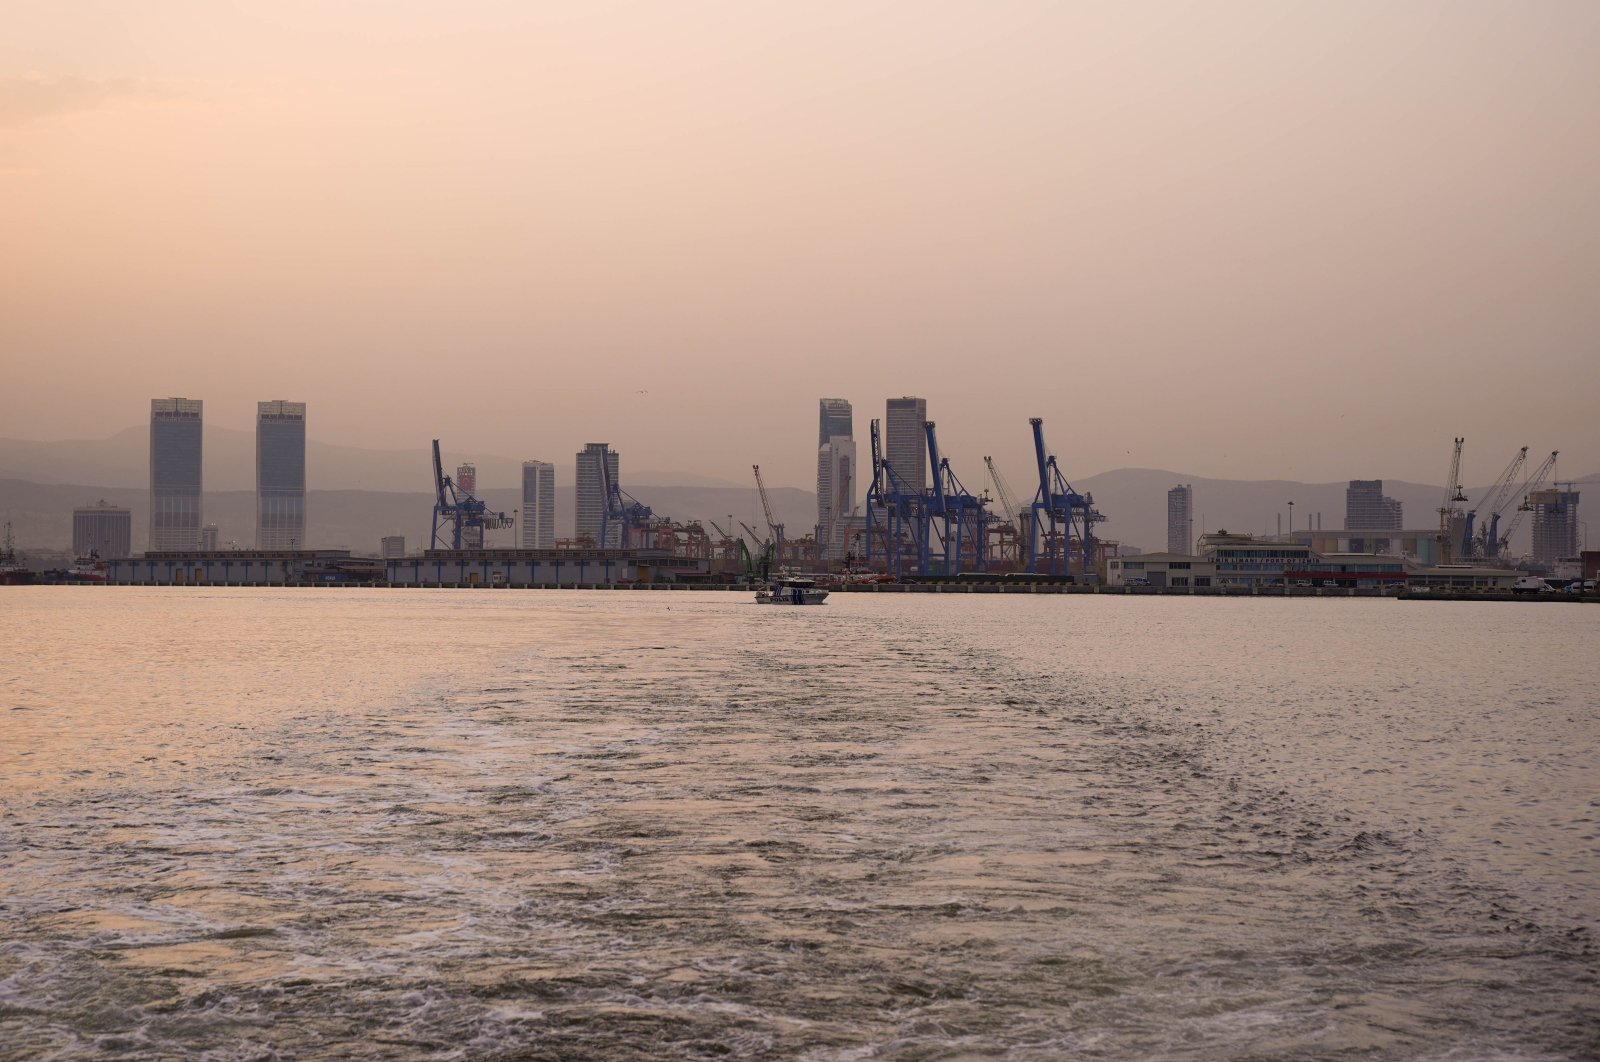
x: 242, y: 567
x: 102, y: 529
x: 1421, y: 546
x: 1176, y: 570
x: 1460, y: 577
x: 1350, y: 571
x: 1244, y: 560
x: 545, y: 567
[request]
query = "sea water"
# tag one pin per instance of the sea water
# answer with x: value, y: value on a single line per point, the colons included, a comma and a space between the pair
x: 258, y: 823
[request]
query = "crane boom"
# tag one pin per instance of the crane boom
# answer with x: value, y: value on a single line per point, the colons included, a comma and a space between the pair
x: 1531, y: 484
x: 1497, y: 498
x: 1013, y: 514
x: 766, y: 506
x: 1447, y: 508
x: 439, y: 480
x: 1500, y: 494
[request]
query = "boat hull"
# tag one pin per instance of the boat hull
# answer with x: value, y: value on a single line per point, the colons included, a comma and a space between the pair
x: 791, y: 595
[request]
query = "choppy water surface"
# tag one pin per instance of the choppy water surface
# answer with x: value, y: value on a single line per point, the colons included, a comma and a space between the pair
x: 280, y: 823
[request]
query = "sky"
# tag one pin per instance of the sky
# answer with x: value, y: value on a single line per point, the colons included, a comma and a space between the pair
x: 1307, y: 241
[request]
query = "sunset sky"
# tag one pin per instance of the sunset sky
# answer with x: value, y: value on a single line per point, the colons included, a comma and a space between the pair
x: 1256, y: 240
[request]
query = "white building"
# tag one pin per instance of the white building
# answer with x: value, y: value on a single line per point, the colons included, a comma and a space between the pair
x: 393, y: 546
x: 538, y: 529
x: 1173, y: 569
x: 597, y: 466
x: 836, y: 494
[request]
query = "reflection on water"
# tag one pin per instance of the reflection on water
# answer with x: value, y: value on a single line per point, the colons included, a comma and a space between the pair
x: 254, y: 824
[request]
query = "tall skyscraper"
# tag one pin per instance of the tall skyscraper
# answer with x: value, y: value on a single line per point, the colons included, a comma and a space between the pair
x: 1180, y: 519
x: 836, y: 493
x: 538, y: 505
x: 102, y: 528
x: 175, y: 442
x: 905, y: 443
x: 597, y: 466
x: 1367, y: 509
x: 835, y: 419
x: 280, y: 475
x: 1555, y: 524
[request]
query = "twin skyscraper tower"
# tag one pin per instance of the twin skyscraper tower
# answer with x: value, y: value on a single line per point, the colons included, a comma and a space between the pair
x: 176, y: 450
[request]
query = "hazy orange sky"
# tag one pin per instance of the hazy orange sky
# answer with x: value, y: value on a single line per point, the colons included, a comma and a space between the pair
x: 1310, y: 241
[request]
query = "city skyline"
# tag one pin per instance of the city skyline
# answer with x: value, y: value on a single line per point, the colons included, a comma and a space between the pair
x: 1362, y: 265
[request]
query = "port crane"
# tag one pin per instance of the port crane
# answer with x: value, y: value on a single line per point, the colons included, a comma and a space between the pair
x: 457, y: 509
x: 623, y: 510
x: 765, y: 549
x: 1013, y: 512
x: 1499, y: 496
x: 1448, y: 508
x: 766, y: 509
x: 1532, y: 484
x: 895, y: 515
x: 1012, y: 530
x: 957, y: 517
x: 1057, y: 513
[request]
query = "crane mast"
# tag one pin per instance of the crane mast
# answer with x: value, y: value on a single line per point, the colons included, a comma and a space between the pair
x: 766, y: 508
x: 1447, y: 508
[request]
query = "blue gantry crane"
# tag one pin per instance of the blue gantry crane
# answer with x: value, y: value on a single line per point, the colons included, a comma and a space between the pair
x: 956, y: 518
x: 624, y: 512
x: 897, y: 524
x: 457, y: 509
x: 1058, y: 515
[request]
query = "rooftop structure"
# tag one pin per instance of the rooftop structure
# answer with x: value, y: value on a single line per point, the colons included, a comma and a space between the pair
x: 175, y: 476
x: 280, y: 475
x: 835, y: 419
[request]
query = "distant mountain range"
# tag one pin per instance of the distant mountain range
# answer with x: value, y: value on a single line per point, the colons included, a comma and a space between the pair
x: 357, y: 496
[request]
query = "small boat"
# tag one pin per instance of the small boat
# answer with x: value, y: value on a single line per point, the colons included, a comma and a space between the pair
x: 791, y: 590
x: 90, y: 569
